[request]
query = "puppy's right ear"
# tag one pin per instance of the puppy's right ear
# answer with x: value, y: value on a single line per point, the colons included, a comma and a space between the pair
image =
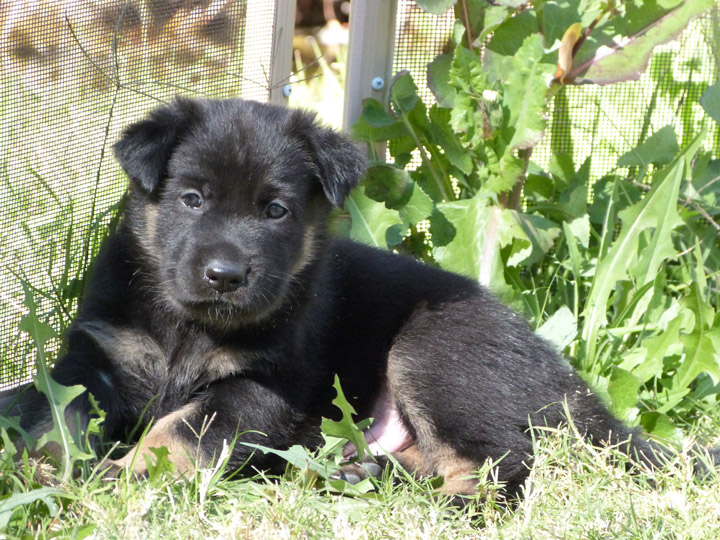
x: 145, y: 147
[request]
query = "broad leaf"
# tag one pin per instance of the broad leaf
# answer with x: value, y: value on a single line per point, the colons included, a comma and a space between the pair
x: 371, y: 220
x: 620, y: 48
x: 623, y: 390
x: 659, y: 149
x: 43, y: 494
x: 710, y: 101
x: 560, y: 329
x: 345, y: 428
x: 654, y: 212
x: 58, y: 396
x: 660, y: 425
x: 436, y: 7
x: 438, y: 78
x: 525, y: 98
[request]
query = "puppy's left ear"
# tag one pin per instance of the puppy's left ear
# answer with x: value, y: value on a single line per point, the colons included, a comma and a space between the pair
x: 340, y: 162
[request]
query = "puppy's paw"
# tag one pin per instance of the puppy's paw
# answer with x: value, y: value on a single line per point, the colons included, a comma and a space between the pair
x: 354, y: 473
x: 110, y: 469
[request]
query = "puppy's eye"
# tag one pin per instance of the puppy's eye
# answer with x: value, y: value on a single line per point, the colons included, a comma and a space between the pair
x: 191, y: 199
x: 275, y: 211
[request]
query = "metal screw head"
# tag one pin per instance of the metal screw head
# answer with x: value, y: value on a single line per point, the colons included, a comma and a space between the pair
x: 378, y: 83
x: 287, y: 90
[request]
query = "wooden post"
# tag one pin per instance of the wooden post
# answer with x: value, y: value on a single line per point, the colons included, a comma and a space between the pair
x: 282, y: 50
x: 267, y: 49
x: 370, y: 54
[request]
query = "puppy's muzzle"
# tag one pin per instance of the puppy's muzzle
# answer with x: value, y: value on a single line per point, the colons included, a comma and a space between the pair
x: 225, y: 276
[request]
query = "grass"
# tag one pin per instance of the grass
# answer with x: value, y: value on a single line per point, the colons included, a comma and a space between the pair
x: 574, y: 491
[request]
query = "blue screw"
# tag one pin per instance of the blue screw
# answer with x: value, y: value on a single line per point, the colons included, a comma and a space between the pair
x: 378, y: 83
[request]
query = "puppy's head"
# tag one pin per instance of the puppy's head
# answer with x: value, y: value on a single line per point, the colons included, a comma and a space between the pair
x: 229, y: 201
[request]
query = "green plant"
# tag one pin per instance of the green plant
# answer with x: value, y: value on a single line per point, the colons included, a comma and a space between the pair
x: 616, y: 273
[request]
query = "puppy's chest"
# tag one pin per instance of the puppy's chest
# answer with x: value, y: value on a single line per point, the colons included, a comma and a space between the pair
x: 193, y: 364
x: 176, y: 363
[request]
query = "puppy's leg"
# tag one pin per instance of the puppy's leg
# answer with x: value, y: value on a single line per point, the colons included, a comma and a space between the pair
x: 256, y: 412
x: 166, y: 432
x: 456, y: 403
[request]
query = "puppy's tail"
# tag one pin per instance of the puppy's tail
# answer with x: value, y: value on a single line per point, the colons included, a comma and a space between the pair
x: 599, y: 427
x: 705, y: 462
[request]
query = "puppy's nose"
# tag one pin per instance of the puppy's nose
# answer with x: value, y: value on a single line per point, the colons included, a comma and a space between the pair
x: 226, y: 277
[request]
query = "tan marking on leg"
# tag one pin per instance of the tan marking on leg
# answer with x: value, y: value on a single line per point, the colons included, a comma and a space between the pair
x: 430, y: 455
x: 182, y: 453
x: 413, y: 461
x: 460, y: 474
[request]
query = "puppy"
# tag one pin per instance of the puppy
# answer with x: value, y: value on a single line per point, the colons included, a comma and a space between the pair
x: 221, y: 306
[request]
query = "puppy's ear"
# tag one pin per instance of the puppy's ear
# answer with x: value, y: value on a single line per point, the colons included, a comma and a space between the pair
x: 145, y: 147
x: 340, y: 162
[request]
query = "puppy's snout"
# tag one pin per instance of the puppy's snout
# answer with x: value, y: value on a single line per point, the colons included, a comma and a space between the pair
x: 226, y: 277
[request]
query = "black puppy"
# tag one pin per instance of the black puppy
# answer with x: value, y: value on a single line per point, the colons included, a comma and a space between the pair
x: 222, y: 302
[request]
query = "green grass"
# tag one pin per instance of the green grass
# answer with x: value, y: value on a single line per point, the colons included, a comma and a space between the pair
x: 574, y: 491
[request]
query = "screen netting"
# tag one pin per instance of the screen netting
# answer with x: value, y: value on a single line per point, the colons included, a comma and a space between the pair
x: 72, y: 73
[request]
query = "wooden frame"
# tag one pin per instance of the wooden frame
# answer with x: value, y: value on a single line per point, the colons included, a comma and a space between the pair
x: 370, y: 54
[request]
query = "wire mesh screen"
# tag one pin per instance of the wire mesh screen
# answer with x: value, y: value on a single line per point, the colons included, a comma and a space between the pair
x: 73, y: 72
x: 419, y: 38
x: 605, y: 122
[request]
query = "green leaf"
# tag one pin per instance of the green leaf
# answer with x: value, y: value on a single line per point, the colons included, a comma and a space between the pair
x: 297, y: 455
x: 345, y: 428
x: 710, y: 101
x: 657, y: 348
x: 58, y: 396
x: 417, y: 207
x: 560, y: 330
x: 43, y: 494
x: 525, y: 98
x: 623, y: 390
x: 700, y: 352
x: 653, y: 213
x: 443, y: 136
x: 537, y: 233
x: 376, y: 124
x: 469, y: 116
x: 438, y: 77
x: 660, y: 425
x: 39, y: 331
x: 620, y: 48
x: 403, y: 92
x: 580, y: 229
x: 658, y: 149
x: 441, y: 229
x: 370, y: 219
x: 526, y: 93
x: 556, y: 17
x: 388, y: 184
x: 159, y: 466
x: 662, y: 215
x: 436, y: 7
x: 474, y: 251
x: 509, y: 36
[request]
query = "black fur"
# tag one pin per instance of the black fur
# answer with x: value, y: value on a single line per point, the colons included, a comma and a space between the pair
x: 465, y: 373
